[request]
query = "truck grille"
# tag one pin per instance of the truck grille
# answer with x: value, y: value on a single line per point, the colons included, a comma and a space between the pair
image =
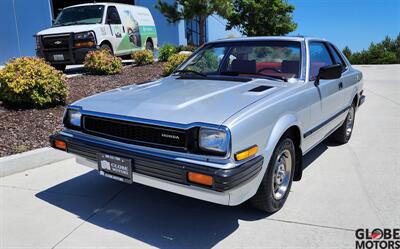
x: 136, y: 133
x: 56, y: 42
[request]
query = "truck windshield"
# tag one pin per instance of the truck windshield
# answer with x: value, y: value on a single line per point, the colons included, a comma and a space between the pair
x: 278, y: 60
x: 80, y: 15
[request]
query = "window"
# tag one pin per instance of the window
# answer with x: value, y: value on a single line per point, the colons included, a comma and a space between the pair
x: 336, y: 56
x: 208, y: 61
x: 272, y: 59
x: 319, y: 57
x: 80, y: 15
x: 193, y: 31
x: 113, y: 16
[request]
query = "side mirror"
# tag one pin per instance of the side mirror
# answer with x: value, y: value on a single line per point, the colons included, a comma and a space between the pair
x: 329, y: 73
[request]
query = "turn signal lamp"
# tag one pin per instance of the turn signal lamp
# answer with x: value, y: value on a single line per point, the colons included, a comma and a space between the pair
x: 84, y: 44
x: 246, y: 153
x: 200, y: 178
x: 60, y: 145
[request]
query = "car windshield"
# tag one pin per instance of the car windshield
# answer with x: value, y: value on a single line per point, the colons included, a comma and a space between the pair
x: 279, y: 60
x: 80, y: 15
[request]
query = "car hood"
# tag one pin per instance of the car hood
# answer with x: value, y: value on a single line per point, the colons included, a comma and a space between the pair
x: 67, y: 29
x: 181, y: 101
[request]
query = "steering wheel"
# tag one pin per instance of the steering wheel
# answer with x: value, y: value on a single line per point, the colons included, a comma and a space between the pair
x: 269, y: 68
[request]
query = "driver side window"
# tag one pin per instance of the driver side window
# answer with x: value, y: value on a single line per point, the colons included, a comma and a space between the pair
x: 113, y: 16
x: 319, y: 57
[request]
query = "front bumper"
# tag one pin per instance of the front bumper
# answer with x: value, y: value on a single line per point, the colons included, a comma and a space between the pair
x: 165, y: 169
x: 71, y: 56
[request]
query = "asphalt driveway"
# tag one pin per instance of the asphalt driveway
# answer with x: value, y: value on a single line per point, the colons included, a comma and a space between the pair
x: 344, y: 188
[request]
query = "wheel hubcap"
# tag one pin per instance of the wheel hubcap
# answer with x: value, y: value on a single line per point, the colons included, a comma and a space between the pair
x: 349, y: 122
x: 282, y: 173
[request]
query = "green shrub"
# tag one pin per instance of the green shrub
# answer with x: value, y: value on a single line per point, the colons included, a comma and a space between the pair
x: 30, y: 81
x: 166, y: 51
x: 143, y: 57
x: 102, y: 62
x: 173, y: 62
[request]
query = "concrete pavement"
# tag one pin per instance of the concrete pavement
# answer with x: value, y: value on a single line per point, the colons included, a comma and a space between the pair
x: 64, y: 205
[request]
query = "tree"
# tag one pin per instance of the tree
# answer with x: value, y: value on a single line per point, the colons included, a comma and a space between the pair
x: 347, y: 52
x: 384, y: 52
x: 194, y: 9
x: 259, y: 18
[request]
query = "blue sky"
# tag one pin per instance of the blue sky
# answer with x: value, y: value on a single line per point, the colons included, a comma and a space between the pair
x: 355, y: 23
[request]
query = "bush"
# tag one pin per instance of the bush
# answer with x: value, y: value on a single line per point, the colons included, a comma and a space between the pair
x: 173, y: 62
x: 166, y: 51
x: 143, y: 57
x: 102, y: 62
x: 31, y: 82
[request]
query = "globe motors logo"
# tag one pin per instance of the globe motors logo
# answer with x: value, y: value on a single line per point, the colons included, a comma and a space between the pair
x: 378, y: 238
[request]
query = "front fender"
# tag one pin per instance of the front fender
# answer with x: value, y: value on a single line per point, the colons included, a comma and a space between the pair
x: 280, y: 127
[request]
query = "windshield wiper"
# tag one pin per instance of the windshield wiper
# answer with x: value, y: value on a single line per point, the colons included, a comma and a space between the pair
x: 191, y: 71
x: 274, y: 77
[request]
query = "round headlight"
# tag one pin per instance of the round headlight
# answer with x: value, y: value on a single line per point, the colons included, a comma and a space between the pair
x: 213, y: 140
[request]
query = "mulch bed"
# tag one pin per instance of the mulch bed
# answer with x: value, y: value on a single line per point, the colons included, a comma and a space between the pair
x: 23, y: 130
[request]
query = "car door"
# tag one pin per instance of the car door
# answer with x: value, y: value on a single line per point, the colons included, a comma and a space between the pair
x: 329, y: 90
x: 113, y: 20
x: 347, y: 80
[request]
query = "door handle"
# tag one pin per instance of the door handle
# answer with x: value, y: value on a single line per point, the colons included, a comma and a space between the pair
x: 340, y: 85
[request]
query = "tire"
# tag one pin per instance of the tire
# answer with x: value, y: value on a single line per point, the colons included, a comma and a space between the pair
x: 275, y: 186
x: 60, y: 67
x: 149, y: 46
x: 343, y: 134
x: 106, y: 47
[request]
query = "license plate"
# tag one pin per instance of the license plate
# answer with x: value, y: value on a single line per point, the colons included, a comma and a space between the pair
x: 58, y: 57
x: 115, y: 167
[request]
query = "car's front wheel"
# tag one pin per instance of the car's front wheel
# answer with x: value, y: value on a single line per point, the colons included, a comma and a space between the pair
x: 275, y: 186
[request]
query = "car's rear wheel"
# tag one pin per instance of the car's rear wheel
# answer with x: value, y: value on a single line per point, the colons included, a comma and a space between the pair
x: 343, y: 134
x: 275, y: 186
x: 149, y: 46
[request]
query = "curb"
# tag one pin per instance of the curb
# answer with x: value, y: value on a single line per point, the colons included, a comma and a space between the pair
x: 29, y: 160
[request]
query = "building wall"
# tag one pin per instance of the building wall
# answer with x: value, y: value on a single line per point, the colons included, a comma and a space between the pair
x: 19, y: 21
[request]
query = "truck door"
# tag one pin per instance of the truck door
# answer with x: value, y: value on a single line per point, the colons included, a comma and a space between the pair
x: 116, y: 29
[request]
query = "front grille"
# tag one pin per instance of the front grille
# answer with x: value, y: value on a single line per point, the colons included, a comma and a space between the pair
x: 56, y: 42
x: 136, y: 133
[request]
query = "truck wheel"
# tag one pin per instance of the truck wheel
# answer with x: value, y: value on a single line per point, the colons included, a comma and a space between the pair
x: 106, y: 47
x: 149, y: 46
x: 275, y: 186
x: 60, y: 67
x: 343, y: 133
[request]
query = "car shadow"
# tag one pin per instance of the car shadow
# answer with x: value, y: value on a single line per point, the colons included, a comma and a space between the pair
x: 316, y: 152
x: 156, y: 217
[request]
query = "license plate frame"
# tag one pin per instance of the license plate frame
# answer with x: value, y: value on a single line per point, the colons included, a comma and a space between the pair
x: 115, y: 167
x: 58, y: 57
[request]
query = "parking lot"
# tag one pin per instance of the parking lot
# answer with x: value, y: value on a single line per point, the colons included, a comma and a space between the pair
x: 64, y: 205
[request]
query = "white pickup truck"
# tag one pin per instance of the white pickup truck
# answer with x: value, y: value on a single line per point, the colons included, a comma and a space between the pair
x: 119, y: 28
